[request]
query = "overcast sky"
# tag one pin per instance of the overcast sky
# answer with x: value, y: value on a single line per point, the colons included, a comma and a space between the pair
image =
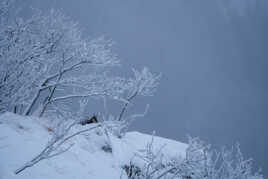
x: 213, y: 59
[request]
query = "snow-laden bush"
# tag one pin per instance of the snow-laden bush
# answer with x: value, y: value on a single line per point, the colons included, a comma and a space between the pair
x: 200, y: 162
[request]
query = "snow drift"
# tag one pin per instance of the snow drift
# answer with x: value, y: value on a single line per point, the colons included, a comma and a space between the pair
x: 22, y: 138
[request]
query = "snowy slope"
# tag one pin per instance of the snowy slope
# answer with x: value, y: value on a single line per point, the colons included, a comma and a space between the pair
x: 21, y: 138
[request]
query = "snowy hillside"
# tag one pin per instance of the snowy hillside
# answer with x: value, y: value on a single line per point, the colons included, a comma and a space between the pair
x: 22, y: 138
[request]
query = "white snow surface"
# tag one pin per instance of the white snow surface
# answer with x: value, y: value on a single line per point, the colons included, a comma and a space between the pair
x: 22, y: 138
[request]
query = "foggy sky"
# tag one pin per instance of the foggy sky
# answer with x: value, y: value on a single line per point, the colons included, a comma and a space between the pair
x: 214, y: 66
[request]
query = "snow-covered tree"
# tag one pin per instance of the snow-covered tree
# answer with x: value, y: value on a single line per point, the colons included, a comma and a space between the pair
x: 47, y: 53
x: 16, y: 50
x: 76, y: 66
x: 46, y: 60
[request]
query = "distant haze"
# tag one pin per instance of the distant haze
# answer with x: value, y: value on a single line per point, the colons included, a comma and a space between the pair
x: 214, y: 65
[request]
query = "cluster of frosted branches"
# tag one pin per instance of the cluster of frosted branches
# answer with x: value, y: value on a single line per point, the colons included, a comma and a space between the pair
x: 200, y: 162
x: 144, y: 83
x: 45, y: 60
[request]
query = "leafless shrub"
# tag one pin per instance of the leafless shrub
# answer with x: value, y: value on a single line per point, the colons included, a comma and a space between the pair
x: 200, y: 162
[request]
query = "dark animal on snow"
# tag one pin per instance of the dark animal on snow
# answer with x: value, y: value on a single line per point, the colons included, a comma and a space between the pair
x: 93, y: 119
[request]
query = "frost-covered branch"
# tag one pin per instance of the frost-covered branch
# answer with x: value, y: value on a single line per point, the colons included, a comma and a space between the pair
x: 55, y: 147
x: 144, y: 83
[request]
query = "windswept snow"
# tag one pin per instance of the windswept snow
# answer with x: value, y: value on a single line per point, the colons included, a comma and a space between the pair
x: 22, y: 138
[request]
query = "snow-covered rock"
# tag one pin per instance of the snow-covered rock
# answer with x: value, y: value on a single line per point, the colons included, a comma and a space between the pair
x: 22, y: 138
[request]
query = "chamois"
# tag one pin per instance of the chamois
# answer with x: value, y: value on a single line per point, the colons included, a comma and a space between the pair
x: 93, y: 119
